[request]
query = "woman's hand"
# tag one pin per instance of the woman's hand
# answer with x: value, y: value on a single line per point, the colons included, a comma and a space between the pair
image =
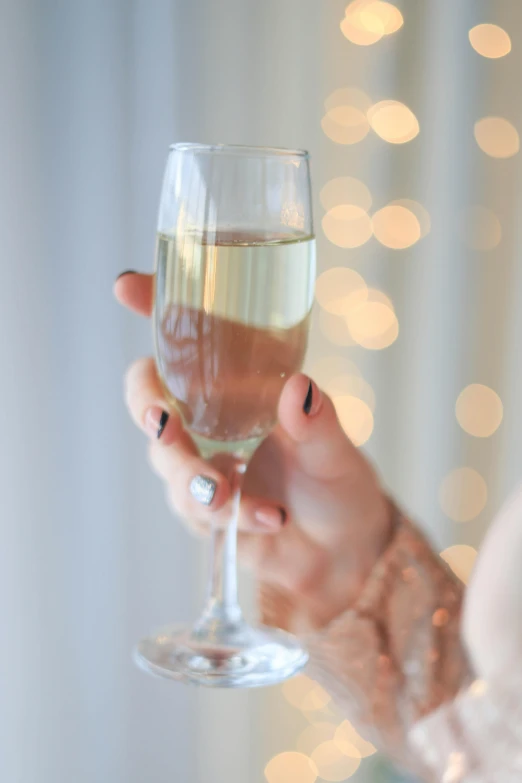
x: 313, y: 516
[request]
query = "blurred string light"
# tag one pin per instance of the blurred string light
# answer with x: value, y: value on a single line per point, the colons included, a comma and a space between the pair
x: 373, y: 323
x: 305, y: 694
x: 332, y: 764
x: 396, y: 226
x: 346, y: 190
x: 347, y: 225
x: 461, y: 559
x: 490, y: 40
x: 335, y: 329
x: 463, y: 494
x: 367, y: 21
x: 291, y: 767
x: 314, y: 734
x: 481, y: 229
x: 339, y: 288
x: 393, y: 121
x: 497, y: 137
x: 325, y: 369
x: 347, y: 384
x: 347, y: 222
x: 479, y: 410
x: 350, y: 741
x: 420, y: 212
x: 355, y: 417
x: 352, y: 313
x: 345, y: 121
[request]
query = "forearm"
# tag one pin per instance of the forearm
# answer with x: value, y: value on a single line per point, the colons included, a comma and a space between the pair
x: 396, y: 655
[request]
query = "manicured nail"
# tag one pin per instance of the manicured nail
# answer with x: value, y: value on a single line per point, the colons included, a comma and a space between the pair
x: 127, y: 272
x: 155, y: 421
x: 307, y: 407
x: 313, y: 400
x: 203, y: 489
x: 270, y: 518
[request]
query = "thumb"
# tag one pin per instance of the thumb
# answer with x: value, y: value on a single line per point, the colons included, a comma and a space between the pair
x: 307, y: 417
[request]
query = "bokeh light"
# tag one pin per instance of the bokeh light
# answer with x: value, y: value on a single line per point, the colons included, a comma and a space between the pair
x: 367, y: 21
x: 355, y: 417
x: 463, y: 494
x: 490, y: 40
x: 420, y: 212
x: 479, y: 410
x: 497, y: 137
x: 334, y: 328
x: 339, y: 288
x: 328, y: 367
x: 348, y: 96
x: 461, y: 559
x: 291, y: 767
x: 353, y: 386
x: 345, y: 121
x: 332, y: 764
x: 345, y: 125
x: 350, y: 741
x: 305, y: 694
x: 355, y: 33
x: 396, y: 226
x: 314, y: 734
x: 481, y: 229
x: 346, y: 190
x: 372, y: 323
x: 393, y: 121
x: 347, y: 225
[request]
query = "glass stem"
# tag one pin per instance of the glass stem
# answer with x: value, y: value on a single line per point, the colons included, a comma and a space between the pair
x: 222, y: 613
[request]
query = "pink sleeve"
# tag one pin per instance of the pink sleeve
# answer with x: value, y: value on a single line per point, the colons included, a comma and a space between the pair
x: 396, y: 655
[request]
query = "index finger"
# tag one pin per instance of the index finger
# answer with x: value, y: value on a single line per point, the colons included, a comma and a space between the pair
x: 135, y: 291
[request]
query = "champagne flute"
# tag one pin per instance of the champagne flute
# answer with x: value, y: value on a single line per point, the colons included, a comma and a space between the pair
x: 235, y: 273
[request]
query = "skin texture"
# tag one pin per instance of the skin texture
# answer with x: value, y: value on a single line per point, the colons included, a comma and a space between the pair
x: 313, y: 517
x: 336, y: 515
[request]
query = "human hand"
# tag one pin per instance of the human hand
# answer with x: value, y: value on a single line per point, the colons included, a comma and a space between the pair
x: 313, y: 517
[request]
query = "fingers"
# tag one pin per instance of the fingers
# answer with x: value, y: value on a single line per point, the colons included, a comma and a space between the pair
x: 197, y: 491
x: 146, y: 403
x: 135, y: 291
x: 308, y: 419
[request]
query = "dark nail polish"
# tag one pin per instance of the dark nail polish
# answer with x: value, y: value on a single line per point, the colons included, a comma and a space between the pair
x: 127, y: 272
x: 162, y: 424
x: 284, y: 515
x: 307, y: 407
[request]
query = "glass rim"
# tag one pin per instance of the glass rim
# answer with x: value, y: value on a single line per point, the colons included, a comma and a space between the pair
x: 239, y: 149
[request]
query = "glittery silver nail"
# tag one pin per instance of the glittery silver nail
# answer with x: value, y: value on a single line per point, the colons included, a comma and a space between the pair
x: 203, y: 489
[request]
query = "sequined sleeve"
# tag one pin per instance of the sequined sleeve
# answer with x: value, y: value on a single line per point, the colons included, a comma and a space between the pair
x: 396, y: 655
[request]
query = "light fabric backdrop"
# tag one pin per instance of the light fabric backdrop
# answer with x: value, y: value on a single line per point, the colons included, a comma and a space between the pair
x: 92, y: 93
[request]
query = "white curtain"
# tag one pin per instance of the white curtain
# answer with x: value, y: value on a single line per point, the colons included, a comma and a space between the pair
x: 92, y: 93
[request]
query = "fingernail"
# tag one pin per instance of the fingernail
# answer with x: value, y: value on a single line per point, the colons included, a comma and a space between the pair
x: 313, y: 400
x: 270, y: 518
x: 203, y: 489
x: 127, y: 272
x: 155, y: 421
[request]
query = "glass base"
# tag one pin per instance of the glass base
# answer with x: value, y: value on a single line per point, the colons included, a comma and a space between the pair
x: 251, y: 658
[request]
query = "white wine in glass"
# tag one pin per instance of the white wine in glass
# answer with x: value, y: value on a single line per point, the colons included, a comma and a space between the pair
x: 235, y: 273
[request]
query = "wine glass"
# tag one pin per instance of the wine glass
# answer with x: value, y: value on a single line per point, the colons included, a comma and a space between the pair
x: 235, y: 273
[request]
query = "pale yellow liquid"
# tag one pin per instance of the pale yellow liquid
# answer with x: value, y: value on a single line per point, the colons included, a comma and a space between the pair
x: 231, y: 325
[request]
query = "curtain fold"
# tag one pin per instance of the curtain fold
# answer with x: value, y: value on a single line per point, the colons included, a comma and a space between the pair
x: 92, y: 94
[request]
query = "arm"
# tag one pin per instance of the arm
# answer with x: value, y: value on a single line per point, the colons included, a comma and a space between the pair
x: 396, y: 655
